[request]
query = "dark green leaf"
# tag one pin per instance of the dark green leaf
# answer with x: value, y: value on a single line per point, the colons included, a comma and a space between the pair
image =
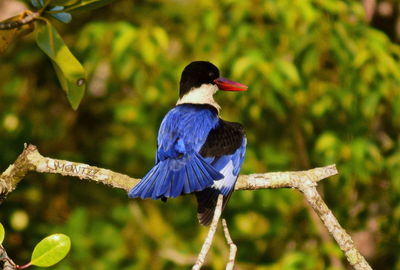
x: 51, y: 250
x: 64, y: 17
x: 69, y: 71
x: 36, y: 3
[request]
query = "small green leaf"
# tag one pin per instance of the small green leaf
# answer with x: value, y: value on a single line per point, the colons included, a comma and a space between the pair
x: 2, y: 233
x: 68, y: 69
x: 51, y: 250
x: 36, y: 3
x: 64, y: 17
x: 88, y: 4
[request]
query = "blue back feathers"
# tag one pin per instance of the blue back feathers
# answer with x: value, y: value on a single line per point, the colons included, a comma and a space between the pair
x: 197, y: 153
x: 179, y: 166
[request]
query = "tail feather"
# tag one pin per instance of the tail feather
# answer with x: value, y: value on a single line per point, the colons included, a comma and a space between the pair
x: 207, y: 201
x: 194, y: 179
x: 147, y: 190
x: 196, y: 176
x: 171, y: 178
x: 188, y: 179
x: 201, y: 172
x: 207, y: 169
x: 176, y: 185
x: 162, y: 183
x: 144, y: 188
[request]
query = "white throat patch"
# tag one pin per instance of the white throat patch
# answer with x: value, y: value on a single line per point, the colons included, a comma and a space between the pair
x: 201, y: 95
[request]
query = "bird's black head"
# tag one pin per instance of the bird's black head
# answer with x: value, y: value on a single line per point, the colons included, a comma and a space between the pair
x: 195, y: 74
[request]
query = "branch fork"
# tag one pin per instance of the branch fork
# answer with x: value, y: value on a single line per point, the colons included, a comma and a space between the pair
x: 305, y: 181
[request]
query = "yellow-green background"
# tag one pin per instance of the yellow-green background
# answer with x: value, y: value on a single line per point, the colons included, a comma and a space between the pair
x: 323, y: 88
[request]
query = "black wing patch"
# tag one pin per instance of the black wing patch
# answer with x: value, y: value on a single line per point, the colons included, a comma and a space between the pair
x: 223, y: 140
x: 207, y: 201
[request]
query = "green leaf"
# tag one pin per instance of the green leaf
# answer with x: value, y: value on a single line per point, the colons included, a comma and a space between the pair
x: 87, y: 4
x: 2, y: 233
x: 36, y: 3
x: 64, y: 17
x: 58, y: 13
x: 51, y: 250
x: 68, y: 69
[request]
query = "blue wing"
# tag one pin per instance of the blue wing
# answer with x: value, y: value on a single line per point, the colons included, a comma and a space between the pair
x: 225, y: 150
x: 179, y: 166
x: 229, y: 166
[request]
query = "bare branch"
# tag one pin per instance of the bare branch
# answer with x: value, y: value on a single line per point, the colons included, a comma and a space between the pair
x: 31, y: 160
x: 305, y: 181
x: 210, y: 236
x: 26, y: 17
x: 8, y: 264
x: 331, y: 223
x: 283, y: 179
x: 232, y: 247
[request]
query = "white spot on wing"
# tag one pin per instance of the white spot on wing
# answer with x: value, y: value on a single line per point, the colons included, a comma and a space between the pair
x: 229, y: 177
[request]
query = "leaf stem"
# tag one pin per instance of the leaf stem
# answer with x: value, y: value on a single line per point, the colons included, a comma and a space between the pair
x: 46, y: 4
x: 24, y: 266
x: 8, y: 263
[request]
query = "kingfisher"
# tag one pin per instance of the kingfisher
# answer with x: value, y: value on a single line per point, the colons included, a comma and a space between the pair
x: 197, y: 151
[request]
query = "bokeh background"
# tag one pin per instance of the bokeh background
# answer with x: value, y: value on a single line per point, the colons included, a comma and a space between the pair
x: 323, y: 78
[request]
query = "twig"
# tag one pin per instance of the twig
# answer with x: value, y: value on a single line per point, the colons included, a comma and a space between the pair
x: 343, y: 239
x: 8, y: 264
x: 25, y: 18
x: 31, y: 160
x: 210, y: 236
x: 232, y: 247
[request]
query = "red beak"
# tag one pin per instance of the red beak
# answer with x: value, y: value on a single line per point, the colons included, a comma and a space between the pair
x: 228, y: 85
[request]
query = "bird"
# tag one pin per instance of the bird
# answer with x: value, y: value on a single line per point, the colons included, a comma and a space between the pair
x: 197, y: 151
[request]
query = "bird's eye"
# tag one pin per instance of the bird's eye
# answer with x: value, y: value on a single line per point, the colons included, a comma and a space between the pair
x: 211, y: 74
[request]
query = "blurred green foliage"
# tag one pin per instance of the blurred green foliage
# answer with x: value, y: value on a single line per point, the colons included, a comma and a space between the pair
x: 324, y: 88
